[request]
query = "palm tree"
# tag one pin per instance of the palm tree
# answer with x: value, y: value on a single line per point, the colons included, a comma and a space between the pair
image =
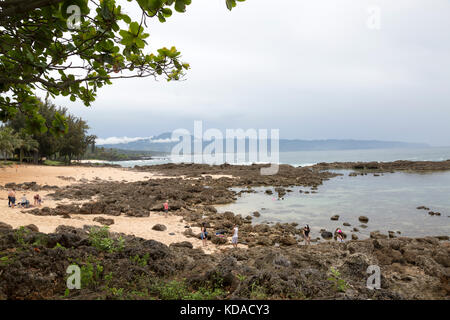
x: 8, y: 141
x: 26, y: 143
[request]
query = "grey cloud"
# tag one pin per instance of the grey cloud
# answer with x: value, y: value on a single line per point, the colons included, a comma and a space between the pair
x: 310, y: 68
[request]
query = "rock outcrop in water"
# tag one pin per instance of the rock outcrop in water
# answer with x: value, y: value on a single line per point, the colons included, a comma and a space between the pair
x: 400, y: 165
x: 363, y: 219
x: 244, y: 176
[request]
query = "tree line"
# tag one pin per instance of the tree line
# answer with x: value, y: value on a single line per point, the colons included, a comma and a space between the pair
x: 24, y: 140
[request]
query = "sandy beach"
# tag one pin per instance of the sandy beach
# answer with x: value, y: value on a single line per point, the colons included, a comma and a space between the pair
x: 62, y: 176
x: 66, y: 175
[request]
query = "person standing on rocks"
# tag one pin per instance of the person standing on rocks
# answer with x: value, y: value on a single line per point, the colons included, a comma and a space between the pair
x: 12, y: 198
x: 204, y: 234
x: 166, y: 208
x: 339, y: 235
x: 234, y: 239
x: 306, y: 231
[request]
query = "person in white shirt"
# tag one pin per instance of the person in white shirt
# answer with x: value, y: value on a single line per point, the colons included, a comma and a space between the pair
x: 234, y: 239
x: 24, y: 203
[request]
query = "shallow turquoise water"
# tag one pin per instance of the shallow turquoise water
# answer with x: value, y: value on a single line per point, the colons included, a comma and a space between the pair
x: 389, y: 201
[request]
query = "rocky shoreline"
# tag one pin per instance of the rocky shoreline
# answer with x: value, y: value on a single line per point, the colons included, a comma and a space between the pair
x: 33, y: 266
x: 400, y: 165
x: 274, y: 263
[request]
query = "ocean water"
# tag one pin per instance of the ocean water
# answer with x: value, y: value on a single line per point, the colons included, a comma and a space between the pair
x: 390, y: 202
x: 303, y: 158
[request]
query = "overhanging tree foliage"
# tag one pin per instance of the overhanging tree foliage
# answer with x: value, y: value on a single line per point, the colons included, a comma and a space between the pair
x: 42, y: 47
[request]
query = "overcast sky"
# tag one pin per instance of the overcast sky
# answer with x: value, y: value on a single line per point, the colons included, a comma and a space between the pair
x: 311, y: 68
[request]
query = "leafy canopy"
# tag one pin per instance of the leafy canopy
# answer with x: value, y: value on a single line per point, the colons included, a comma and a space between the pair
x: 72, y: 144
x: 45, y: 45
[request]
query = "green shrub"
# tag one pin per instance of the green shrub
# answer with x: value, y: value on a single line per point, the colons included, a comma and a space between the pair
x: 172, y: 290
x: 206, y: 294
x: 257, y: 292
x: 66, y: 293
x: 99, y: 238
x: 58, y: 245
x: 140, y: 261
x: 241, y: 277
x: 91, y: 275
x: 178, y: 290
x: 19, y: 235
x: 140, y: 293
x: 117, y: 293
x: 41, y: 240
x: 339, y: 284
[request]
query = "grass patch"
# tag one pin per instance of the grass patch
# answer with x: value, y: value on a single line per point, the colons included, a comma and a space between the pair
x: 53, y: 163
x: 178, y: 290
x: 7, y: 163
x: 257, y: 292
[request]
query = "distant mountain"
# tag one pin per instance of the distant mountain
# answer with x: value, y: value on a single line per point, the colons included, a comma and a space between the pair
x: 161, y: 143
x: 164, y: 143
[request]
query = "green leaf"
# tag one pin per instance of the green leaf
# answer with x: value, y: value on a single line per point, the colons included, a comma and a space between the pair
x: 180, y: 5
x: 140, y: 43
x: 166, y: 12
x: 82, y: 4
x: 154, y: 4
x: 106, y: 13
x: 143, y: 4
x: 232, y: 3
x: 126, y: 18
x: 161, y: 18
x: 134, y: 28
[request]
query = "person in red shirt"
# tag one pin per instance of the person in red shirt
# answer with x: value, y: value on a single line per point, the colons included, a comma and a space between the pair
x: 339, y: 235
x: 166, y: 208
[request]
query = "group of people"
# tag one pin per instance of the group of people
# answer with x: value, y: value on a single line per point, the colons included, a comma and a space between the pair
x: 234, y: 238
x: 23, y: 203
x: 306, y: 230
x: 204, y: 232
